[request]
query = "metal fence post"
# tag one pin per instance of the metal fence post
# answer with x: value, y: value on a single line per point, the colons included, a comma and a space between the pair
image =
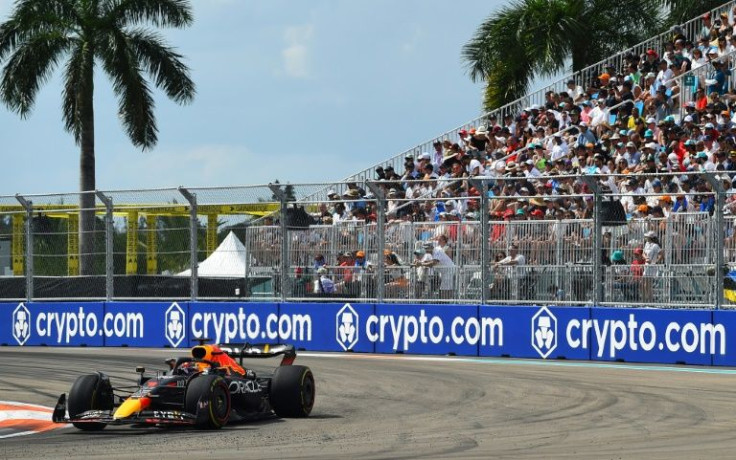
x: 594, y: 186
x: 719, y: 235
x: 109, y: 266
x: 485, y: 272
x: 28, y: 227
x: 380, y: 228
x: 193, y: 259
x: 284, y: 274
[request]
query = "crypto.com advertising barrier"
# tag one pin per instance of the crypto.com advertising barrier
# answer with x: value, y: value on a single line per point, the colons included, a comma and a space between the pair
x: 331, y: 326
x: 533, y: 332
x: 605, y: 334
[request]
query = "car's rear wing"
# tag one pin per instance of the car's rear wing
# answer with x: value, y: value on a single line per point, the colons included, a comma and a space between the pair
x: 261, y: 350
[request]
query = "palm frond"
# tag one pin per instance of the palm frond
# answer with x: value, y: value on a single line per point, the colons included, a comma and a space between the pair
x: 680, y: 11
x: 29, y: 67
x: 163, y: 64
x: 135, y: 99
x: 161, y: 13
x: 32, y: 18
x: 75, y: 87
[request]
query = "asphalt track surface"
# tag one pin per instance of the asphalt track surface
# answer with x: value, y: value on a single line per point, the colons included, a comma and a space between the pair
x: 371, y: 406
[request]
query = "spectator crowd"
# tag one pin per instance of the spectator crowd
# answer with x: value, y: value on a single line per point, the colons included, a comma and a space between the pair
x: 646, y: 135
x: 643, y: 133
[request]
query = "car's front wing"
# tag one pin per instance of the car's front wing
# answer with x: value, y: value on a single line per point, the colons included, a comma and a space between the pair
x: 146, y: 417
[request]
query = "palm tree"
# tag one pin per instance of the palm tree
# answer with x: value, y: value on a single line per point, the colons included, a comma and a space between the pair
x: 680, y: 11
x: 41, y: 34
x: 540, y: 37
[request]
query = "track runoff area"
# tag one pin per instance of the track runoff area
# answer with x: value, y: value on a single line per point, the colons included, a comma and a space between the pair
x: 408, y: 406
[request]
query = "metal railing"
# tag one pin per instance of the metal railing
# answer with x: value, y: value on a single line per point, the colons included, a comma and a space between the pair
x: 202, y: 244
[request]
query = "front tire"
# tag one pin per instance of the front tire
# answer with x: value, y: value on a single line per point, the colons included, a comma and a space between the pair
x: 292, y: 391
x: 213, y: 390
x: 89, y: 392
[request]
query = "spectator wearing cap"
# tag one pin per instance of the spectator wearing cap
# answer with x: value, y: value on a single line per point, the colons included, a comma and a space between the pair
x: 664, y: 202
x: 631, y: 192
x: 585, y: 136
x: 632, y: 154
x: 325, y: 285
x: 730, y: 164
x: 530, y: 169
x: 444, y: 267
x: 599, y: 114
x: 652, y: 258
x: 724, y: 120
x: 681, y: 203
x: 716, y: 81
x: 651, y: 61
x: 424, y: 272
x: 665, y: 76
x: 706, y: 29
x: 690, y: 110
x: 559, y: 147
x: 575, y: 91
x: 662, y: 104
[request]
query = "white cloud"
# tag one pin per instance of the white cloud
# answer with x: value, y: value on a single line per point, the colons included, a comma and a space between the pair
x: 409, y: 45
x: 296, y: 54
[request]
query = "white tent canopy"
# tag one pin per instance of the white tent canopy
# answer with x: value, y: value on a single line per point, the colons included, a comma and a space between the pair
x: 228, y: 260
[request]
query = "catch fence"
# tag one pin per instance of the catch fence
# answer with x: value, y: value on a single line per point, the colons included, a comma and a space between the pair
x: 215, y: 243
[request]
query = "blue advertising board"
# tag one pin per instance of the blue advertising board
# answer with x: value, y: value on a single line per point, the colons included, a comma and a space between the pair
x: 605, y: 334
x: 10, y: 333
x: 139, y: 324
x: 233, y: 322
x: 425, y: 329
x: 56, y: 324
x: 724, y: 328
x: 653, y: 335
x: 534, y: 332
x: 326, y: 326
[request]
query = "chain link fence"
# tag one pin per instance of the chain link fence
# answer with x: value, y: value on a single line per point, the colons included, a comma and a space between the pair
x: 359, y: 242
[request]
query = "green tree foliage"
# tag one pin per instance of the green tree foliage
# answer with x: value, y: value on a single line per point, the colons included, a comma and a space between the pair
x: 41, y: 35
x: 532, y: 38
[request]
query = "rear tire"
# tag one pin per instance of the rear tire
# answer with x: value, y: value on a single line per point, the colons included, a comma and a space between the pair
x: 89, y: 392
x: 292, y: 391
x: 214, y: 390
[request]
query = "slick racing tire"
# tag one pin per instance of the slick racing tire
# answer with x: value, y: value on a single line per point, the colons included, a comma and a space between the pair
x: 89, y: 392
x: 292, y: 391
x: 213, y: 390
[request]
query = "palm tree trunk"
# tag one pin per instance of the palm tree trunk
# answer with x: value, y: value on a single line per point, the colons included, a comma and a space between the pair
x: 87, y: 172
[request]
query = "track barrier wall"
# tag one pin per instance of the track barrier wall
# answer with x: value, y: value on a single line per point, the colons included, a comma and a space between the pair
x: 549, y: 332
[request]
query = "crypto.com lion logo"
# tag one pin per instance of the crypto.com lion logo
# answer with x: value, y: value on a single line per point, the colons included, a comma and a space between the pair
x: 347, y: 327
x: 544, y: 332
x: 21, y: 324
x: 174, y: 323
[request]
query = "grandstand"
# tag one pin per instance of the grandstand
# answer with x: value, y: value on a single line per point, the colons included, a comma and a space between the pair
x: 612, y: 186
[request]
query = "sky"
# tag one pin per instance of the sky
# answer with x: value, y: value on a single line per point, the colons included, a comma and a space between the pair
x: 299, y: 91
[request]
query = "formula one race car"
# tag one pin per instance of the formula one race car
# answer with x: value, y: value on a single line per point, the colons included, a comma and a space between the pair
x: 205, y: 390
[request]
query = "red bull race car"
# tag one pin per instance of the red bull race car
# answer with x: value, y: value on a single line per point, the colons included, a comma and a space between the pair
x: 206, y: 390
